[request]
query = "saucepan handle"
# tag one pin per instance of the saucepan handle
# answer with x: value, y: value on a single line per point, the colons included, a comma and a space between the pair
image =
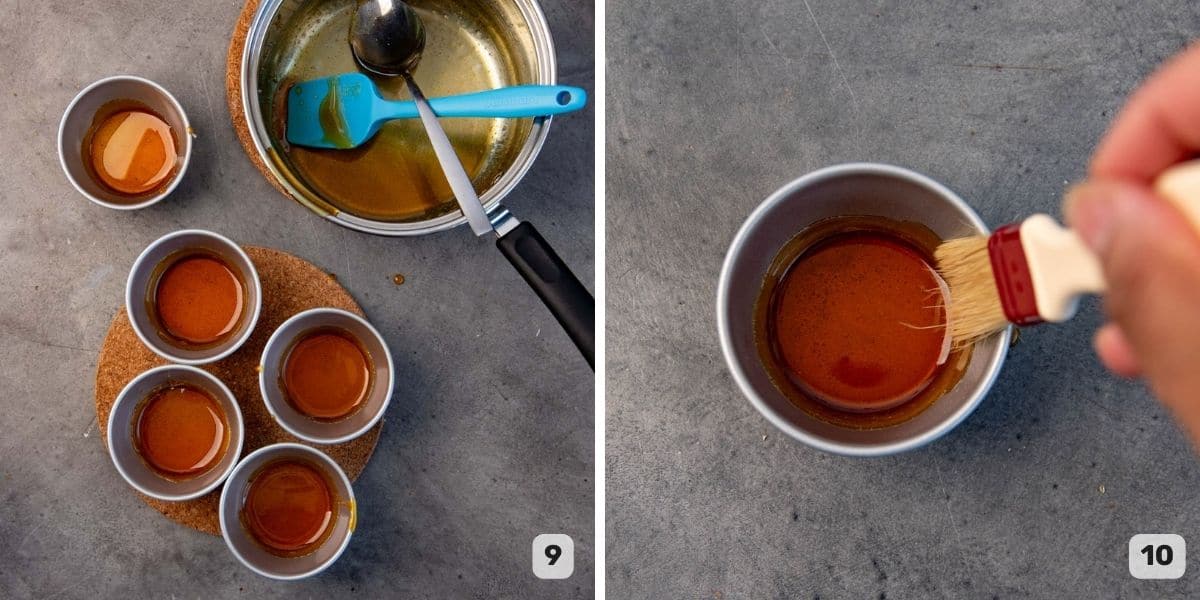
x: 555, y: 284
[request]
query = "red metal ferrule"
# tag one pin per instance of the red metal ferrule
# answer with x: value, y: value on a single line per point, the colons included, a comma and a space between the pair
x: 1011, y: 271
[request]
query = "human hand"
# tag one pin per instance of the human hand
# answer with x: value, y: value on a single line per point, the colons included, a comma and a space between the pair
x: 1149, y: 252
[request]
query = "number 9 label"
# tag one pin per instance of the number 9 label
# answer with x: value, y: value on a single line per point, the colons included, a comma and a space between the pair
x: 1157, y: 556
x: 553, y: 556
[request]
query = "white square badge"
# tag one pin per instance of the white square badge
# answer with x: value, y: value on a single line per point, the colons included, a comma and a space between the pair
x: 553, y: 556
x: 1157, y: 556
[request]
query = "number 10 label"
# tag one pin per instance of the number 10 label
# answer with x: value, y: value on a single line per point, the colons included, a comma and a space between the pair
x: 1157, y: 556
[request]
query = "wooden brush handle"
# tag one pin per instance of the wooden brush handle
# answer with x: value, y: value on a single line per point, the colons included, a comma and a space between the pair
x: 1062, y: 267
x: 1180, y: 185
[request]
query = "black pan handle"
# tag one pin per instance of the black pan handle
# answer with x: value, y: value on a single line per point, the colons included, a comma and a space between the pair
x: 554, y: 283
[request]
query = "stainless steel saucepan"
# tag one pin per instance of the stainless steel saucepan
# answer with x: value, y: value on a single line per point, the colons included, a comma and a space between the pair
x: 480, y: 45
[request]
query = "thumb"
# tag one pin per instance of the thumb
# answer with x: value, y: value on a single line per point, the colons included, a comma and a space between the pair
x: 1150, y: 255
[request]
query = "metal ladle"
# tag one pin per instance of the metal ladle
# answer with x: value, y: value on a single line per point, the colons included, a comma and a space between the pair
x: 387, y: 39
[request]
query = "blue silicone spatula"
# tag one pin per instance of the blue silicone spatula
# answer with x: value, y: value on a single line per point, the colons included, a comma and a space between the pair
x: 344, y: 111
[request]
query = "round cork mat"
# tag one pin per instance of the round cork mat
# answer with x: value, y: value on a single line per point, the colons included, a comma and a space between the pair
x: 233, y: 92
x: 289, y: 285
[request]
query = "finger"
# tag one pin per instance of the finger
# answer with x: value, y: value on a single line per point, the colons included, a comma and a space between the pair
x: 1115, y: 352
x: 1159, y: 125
x: 1151, y: 261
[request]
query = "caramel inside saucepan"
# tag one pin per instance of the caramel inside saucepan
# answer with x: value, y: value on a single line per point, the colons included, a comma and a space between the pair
x: 395, y: 177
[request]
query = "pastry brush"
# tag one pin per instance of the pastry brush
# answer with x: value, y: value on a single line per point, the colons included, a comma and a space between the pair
x: 1036, y: 270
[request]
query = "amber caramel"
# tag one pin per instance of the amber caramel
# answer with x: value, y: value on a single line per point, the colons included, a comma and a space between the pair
x: 181, y: 431
x: 130, y: 150
x: 289, y: 507
x: 198, y: 299
x: 327, y: 374
x: 850, y: 323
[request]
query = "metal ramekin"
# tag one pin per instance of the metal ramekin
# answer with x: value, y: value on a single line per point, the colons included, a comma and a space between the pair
x: 275, y: 354
x: 142, y: 275
x: 79, y: 117
x: 848, y: 189
x: 249, y: 552
x: 121, y: 427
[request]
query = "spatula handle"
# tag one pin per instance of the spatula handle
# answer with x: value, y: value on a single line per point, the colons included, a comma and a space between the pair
x: 506, y: 103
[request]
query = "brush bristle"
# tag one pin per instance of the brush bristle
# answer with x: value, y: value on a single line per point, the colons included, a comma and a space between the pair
x: 974, y: 311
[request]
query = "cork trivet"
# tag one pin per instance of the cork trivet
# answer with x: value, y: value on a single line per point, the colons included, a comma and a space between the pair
x: 233, y: 91
x: 289, y: 285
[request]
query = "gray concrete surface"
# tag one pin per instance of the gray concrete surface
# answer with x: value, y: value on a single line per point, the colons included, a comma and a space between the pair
x: 713, y: 105
x: 488, y: 441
